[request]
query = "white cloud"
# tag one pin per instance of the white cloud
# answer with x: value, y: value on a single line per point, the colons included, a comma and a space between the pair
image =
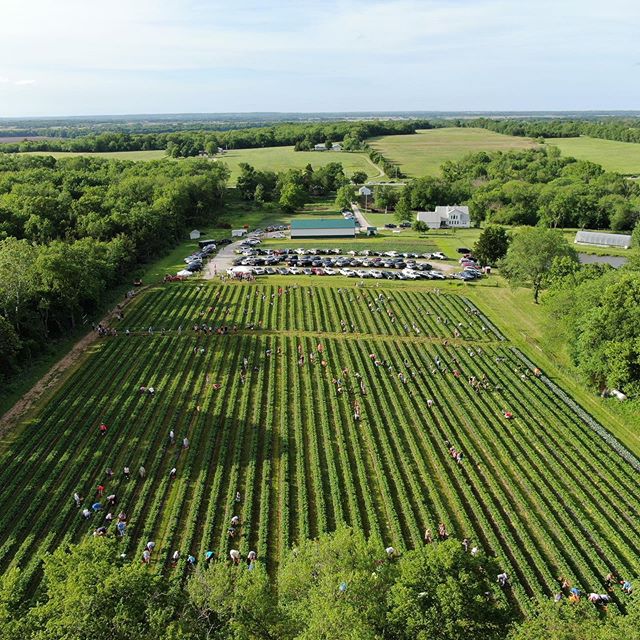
x: 257, y: 55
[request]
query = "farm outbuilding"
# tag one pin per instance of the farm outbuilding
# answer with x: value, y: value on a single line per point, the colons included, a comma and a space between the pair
x: 615, y: 240
x: 195, y: 234
x: 323, y: 228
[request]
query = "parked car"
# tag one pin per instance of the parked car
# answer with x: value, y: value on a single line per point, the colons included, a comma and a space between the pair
x: 463, y: 250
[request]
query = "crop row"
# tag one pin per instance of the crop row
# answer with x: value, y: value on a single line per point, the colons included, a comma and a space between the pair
x: 308, y: 308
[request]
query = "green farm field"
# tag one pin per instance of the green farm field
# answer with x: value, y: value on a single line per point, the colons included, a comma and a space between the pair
x: 623, y: 157
x: 283, y: 158
x: 280, y: 427
x: 423, y: 153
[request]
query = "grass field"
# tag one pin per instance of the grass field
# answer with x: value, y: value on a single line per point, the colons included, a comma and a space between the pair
x: 543, y: 492
x: 283, y: 158
x: 623, y: 157
x: 422, y: 153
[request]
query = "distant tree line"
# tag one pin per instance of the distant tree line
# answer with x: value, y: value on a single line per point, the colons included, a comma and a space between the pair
x: 72, y: 229
x: 620, y: 129
x: 192, y: 143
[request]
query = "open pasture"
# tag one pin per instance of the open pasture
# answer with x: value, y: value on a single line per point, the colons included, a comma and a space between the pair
x: 623, y: 157
x: 270, y: 411
x: 422, y: 153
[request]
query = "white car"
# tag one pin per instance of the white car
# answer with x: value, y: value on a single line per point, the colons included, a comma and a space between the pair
x: 329, y: 272
x: 259, y: 271
x: 374, y: 273
x: 438, y: 275
x: 362, y: 273
x: 294, y: 271
x: 347, y: 272
x: 410, y: 275
x: 391, y: 254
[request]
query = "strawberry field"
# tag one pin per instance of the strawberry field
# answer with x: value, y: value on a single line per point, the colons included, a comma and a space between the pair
x: 266, y: 390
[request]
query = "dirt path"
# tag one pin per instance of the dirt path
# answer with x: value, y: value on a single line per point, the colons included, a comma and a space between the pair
x: 50, y: 379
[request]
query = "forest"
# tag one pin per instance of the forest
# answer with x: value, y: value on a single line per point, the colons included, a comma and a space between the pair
x: 530, y: 187
x: 72, y: 229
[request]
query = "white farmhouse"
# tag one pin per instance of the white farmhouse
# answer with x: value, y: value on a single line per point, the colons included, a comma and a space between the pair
x: 446, y: 216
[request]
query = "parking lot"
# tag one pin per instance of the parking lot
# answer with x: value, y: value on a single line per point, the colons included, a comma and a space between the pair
x: 362, y: 264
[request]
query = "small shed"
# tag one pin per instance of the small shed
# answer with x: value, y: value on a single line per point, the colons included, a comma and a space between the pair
x: 195, y: 234
x: 600, y: 239
x: 238, y: 233
x: 365, y: 191
x: 371, y: 231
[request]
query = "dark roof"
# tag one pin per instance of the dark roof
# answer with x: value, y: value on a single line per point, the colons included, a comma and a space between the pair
x: 323, y: 223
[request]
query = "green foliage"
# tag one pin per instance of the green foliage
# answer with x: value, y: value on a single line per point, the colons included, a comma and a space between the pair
x: 71, y: 229
x: 235, y: 602
x: 403, y: 209
x: 358, y: 177
x: 335, y: 587
x: 492, y: 245
x: 345, y: 196
x: 385, y: 197
x: 292, y: 197
x: 89, y: 595
x: 530, y: 256
x: 605, y: 336
x: 444, y: 592
x: 420, y: 226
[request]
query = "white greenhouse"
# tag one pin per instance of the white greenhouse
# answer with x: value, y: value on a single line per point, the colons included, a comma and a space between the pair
x: 616, y: 240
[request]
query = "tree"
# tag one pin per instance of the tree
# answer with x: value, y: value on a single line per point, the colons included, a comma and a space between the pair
x: 9, y: 347
x: 359, y: 177
x: 403, y: 209
x: 335, y: 587
x: 292, y: 197
x: 530, y: 255
x: 345, y: 196
x: 90, y: 594
x: 444, y: 592
x: 492, y: 245
x: 232, y: 602
x: 420, y: 226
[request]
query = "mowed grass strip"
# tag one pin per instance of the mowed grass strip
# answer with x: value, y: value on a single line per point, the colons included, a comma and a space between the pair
x: 422, y: 153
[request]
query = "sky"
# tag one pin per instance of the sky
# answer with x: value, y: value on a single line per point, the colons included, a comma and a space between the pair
x: 84, y: 57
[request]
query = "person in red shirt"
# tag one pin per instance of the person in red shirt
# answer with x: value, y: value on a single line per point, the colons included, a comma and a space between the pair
x: 103, y: 429
x: 100, y: 489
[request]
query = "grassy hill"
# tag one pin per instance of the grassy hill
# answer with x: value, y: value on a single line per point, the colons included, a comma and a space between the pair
x: 423, y: 152
x: 623, y: 157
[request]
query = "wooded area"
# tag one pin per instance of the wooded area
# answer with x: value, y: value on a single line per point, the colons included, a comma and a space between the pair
x: 72, y: 229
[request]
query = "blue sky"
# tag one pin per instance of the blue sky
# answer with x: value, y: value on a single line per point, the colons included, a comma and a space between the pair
x: 83, y: 57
